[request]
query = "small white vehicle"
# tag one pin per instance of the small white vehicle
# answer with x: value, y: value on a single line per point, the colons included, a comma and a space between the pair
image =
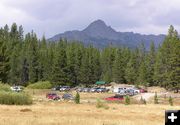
x: 16, y: 88
x: 136, y: 91
x: 119, y: 90
x: 64, y: 88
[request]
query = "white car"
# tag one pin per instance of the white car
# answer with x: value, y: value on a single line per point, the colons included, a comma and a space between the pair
x: 64, y: 88
x: 16, y: 88
x: 136, y: 91
x: 119, y: 90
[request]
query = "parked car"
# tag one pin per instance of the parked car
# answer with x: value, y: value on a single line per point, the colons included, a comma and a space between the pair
x: 67, y: 96
x: 143, y: 90
x: 86, y: 90
x: 16, y: 88
x: 130, y: 92
x: 136, y: 91
x: 118, y: 90
x: 65, y: 88
x: 94, y: 89
x: 122, y: 92
x: 52, y: 96
x: 115, y: 98
x: 101, y: 90
x: 79, y: 89
x: 56, y: 88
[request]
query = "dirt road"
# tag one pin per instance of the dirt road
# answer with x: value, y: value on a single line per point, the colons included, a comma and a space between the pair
x: 145, y: 96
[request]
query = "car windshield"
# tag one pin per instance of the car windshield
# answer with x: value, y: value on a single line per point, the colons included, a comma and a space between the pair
x: 117, y: 96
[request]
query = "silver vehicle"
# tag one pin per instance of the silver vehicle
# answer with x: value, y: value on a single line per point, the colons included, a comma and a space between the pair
x: 130, y: 92
x: 136, y: 91
x: 122, y: 92
x: 64, y: 88
x: 86, y: 90
x: 102, y: 90
x: 16, y: 88
x: 67, y: 96
x: 93, y: 89
x: 118, y: 90
x: 79, y: 89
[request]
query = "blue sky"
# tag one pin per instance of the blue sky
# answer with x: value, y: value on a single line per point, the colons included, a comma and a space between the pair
x: 50, y: 17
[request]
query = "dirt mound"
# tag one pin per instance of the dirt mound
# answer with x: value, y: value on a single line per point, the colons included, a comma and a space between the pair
x: 26, y: 110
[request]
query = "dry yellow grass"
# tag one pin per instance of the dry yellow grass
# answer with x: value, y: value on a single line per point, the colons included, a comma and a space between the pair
x: 84, y: 114
x: 67, y: 113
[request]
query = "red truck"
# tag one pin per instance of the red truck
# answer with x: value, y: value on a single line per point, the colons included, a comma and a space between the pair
x: 115, y: 98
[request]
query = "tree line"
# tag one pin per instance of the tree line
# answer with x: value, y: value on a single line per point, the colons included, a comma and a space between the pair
x: 27, y: 59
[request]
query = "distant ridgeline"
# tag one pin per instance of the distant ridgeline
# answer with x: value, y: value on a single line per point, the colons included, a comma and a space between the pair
x: 25, y: 60
x: 100, y: 35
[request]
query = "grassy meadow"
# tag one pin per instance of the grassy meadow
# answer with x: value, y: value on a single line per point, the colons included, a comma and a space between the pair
x: 45, y: 112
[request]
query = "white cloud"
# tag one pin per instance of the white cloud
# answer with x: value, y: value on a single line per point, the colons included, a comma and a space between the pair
x: 54, y: 16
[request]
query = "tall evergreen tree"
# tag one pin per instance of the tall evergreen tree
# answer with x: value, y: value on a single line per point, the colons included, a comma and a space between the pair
x: 59, y: 70
x: 4, y: 55
x: 118, y: 68
x: 15, y: 49
x: 150, y: 61
x: 32, y: 56
x: 130, y: 71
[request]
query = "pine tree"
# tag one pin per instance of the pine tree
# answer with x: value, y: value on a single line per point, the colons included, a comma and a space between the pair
x: 4, y: 55
x: 59, y: 69
x: 150, y: 61
x: 43, y: 60
x: 84, y: 70
x: 142, y: 77
x: 107, y: 59
x: 78, y: 61
x: 118, y: 68
x: 30, y: 60
x: 170, y: 60
x: 130, y: 72
x: 77, y: 98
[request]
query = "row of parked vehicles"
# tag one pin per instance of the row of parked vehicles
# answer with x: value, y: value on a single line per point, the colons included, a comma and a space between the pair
x: 128, y: 91
x: 80, y: 89
x: 61, y: 88
x: 95, y: 89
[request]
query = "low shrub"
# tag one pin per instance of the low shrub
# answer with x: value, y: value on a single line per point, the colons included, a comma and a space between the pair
x: 13, y: 98
x: 4, y: 87
x: 170, y: 101
x: 127, y: 100
x: 77, y: 98
x: 156, y: 99
x: 40, y: 85
x: 144, y: 101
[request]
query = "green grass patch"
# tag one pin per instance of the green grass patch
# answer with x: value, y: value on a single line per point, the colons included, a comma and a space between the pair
x: 14, y: 98
x: 4, y: 87
x: 40, y: 85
